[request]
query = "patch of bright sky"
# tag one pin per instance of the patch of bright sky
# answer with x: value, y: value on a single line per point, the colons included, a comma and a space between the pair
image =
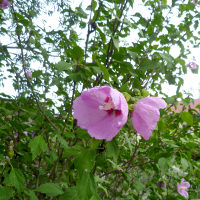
x: 52, y: 22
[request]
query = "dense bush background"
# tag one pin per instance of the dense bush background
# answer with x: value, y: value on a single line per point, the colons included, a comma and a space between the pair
x: 43, y: 154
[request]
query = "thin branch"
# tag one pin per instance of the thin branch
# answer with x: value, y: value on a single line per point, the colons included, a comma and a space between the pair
x: 111, y: 43
x: 88, y: 32
x: 27, y: 78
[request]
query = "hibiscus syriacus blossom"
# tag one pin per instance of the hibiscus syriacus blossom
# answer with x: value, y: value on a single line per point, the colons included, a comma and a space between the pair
x: 146, y: 115
x: 29, y: 75
x: 192, y: 65
x: 102, y: 111
x: 4, y: 4
x: 182, y: 188
x: 195, y: 3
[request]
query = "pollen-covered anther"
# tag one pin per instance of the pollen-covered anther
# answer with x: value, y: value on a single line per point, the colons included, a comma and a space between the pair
x: 107, y: 106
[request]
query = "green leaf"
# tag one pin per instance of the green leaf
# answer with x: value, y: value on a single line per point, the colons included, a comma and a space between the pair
x: 102, y: 35
x: 49, y: 40
x: 187, y: 117
x: 85, y: 160
x: 50, y: 189
x: 62, y: 66
x: 6, y: 193
x: 95, y: 197
x: 162, y: 126
x: 116, y: 43
x: 16, y: 179
x: 31, y: 194
x: 72, y: 151
x: 77, y: 53
x: 132, y: 54
x: 80, y: 12
x: 184, y: 163
x: 163, y: 164
x: 37, y: 146
x: 104, y: 71
x: 86, y: 186
x: 112, y: 150
x: 62, y: 141
x: 70, y: 194
x: 166, y: 57
x: 139, y: 186
x: 148, y: 64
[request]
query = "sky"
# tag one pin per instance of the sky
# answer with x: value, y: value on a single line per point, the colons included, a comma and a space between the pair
x: 191, y: 81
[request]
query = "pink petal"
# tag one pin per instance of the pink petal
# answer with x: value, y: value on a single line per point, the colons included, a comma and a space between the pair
x: 193, y: 66
x: 25, y: 133
x: 178, y: 187
x: 101, y: 123
x: 144, y: 119
x: 29, y: 74
x: 184, y: 183
x: 106, y: 129
x: 4, y: 4
x: 146, y: 115
x: 156, y: 102
x: 184, y: 193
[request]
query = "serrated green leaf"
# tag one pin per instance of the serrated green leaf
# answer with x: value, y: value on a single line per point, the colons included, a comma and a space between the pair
x: 62, y: 65
x: 86, y: 186
x: 85, y: 160
x: 6, y: 193
x: 77, y: 53
x: 50, y: 189
x: 31, y: 194
x: 163, y: 164
x: 70, y: 194
x: 187, y: 117
x: 37, y: 146
x: 15, y: 179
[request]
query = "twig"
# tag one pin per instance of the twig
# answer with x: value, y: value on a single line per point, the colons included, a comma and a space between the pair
x: 88, y: 32
x: 111, y: 43
x: 27, y: 78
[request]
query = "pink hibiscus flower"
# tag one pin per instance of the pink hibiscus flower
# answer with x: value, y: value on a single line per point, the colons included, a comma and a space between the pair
x: 29, y: 74
x: 4, y: 4
x: 192, y: 65
x: 25, y: 133
x: 182, y: 188
x: 146, y: 115
x: 102, y: 111
x: 195, y: 3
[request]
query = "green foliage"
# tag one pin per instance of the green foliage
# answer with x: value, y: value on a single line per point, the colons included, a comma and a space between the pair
x: 6, y: 193
x: 37, y: 146
x: 187, y: 117
x: 15, y: 179
x: 111, y: 42
x: 50, y: 189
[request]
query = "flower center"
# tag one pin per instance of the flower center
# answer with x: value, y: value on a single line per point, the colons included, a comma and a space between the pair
x: 183, y: 188
x: 109, y: 107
